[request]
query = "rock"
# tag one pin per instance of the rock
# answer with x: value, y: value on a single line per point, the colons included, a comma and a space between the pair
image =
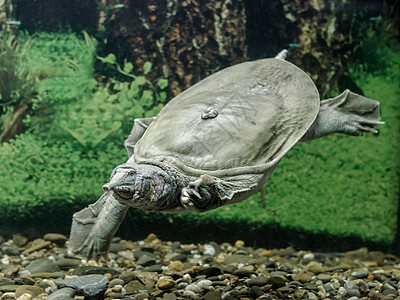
x: 8, y: 288
x: 205, y: 284
x: 170, y: 296
x: 245, y: 271
x: 67, y: 263
x: 390, y: 292
x: 360, y: 274
x: 209, y: 250
x: 315, y: 267
x: 166, y: 283
x: 25, y: 296
x: 61, y: 294
x: 303, y: 277
x: 258, y: 281
x: 28, y: 289
x: 179, y: 257
x: 6, y: 281
x: 116, y: 281
x: 117, y: 247
x: 127, y: 276
x: 146, y: 260
x: 176, y: 266
x: 154, y: 268
x: 37, y: 245
x: 193, y: 288
x: 133, y: 287
x: 276, y: 281
x: 376, y: 256
x: 212, y: 296
x: 238, y: 259
x: 353, y: 293
x: 256, y: 291
x: 87, y: 270
x: 360, y: 254
x: 299, y: 293
x: 48, y: 275
x: 309, y: 256
x: 210, y: 271
x: 19, y: 240
x: 10, y: 249
x: 55, y: 238
x: 8, y: 296
x: 140, y: 253
x: 91, y: 286
x: 150, y: 238
x: 42, y: 265
x: 324, y: 277
x: 239, y: 243
x: 142, y: 296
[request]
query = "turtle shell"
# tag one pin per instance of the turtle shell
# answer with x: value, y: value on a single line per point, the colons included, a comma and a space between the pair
x: 240, y: 120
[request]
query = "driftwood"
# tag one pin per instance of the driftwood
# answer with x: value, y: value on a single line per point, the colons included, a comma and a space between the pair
x: 185, y: 40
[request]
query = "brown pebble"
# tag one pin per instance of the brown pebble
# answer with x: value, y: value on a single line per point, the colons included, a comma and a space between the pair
x: 244, y: 271
x: 30, y: 289
x: 266, y: 253
x: 55, y: 238
x: 27, y: 279
x: 36, y: 247
x: 151, y: 237
x: 303, y: 277
x: 45, y: 275
x: 315, y: 267
x: 239, y: 243
x: 176, y: 266
x: 166, y: 283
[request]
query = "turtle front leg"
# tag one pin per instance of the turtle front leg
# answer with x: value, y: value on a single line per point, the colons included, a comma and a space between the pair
x: 200, y: 195
x: 94, y: 226
x: 348, y: 113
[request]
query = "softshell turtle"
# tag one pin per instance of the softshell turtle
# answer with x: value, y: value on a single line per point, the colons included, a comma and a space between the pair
x: 217, y: 143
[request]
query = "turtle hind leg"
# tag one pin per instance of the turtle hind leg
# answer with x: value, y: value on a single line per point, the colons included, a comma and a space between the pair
x: 348, y: 113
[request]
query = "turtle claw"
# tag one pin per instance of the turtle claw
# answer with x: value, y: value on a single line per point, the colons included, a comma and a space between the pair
x: 199, y: 195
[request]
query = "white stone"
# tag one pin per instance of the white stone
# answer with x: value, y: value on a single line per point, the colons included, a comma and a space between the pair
x: 186, y: 278
x: 8, y: 295
x: 309, y: 256
x: 209, y: 250
x: 190, y: 294
x: 205, y: 284
x: 193, y: 288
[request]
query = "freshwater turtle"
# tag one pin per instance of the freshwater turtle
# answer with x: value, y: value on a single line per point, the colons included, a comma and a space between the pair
x: 217, y: 143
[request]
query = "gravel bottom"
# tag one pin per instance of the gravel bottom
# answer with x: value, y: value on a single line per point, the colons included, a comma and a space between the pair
x: 155, y: 269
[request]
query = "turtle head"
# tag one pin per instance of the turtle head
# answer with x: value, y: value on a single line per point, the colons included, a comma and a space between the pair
x: 146, y: 187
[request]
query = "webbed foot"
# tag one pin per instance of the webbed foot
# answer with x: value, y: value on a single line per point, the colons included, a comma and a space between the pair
x: 359, y: 114
x: 93, y: 227
x: 200, y: 195
x: 348, y: 113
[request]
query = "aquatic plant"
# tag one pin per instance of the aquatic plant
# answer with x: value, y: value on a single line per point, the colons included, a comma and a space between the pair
x: 371, y: 40
x: 17, y: 84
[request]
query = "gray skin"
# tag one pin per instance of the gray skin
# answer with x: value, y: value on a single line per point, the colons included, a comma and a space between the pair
x: 217, y: 143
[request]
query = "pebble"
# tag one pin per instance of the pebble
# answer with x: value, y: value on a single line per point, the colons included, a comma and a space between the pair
x: 62, y: 294
x: 154, y: 269
x: 166, y: 283
x: 315, y: 267
x: 55, y: 238
x: 91, y: 286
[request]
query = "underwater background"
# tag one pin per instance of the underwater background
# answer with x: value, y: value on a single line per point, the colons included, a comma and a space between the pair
x: 75, y: 74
